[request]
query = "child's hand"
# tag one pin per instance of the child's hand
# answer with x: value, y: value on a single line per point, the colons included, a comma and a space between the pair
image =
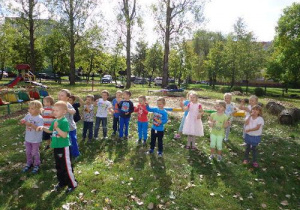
x: 55, y: 125
x: 39, y: 128
x: 27, y: 123
x: 22, y: 121
x: 126, y: 113
x: 228, y: 123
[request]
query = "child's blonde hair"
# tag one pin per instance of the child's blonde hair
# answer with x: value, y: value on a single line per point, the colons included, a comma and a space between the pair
x: 68, y: 93
x: 105, y: 91
x: 62, y: 105
x: 228, y: 94
x: 91, y: 97
x: 161, y: 99
x: 221, y: 103
x: 119, y: 91
x: 257, y: 107
x: 254, y: 97
x: 36, y: 104
x: 49, y: 99
x: 193, y: 93
x: 143, y: 97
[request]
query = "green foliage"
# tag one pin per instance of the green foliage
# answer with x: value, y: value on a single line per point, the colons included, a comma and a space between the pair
x: 259, y: 91
x: 224, y: 89
x: 237, y: 88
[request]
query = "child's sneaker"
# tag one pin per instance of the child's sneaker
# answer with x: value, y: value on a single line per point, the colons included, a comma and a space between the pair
x: 47, y: 147
x: 255, y: 165
x: 177, y: 136
x: 225, y: 139
x: 211, y: 157
x: 35, y: 170
x: 245, y: 162
x: 70, y: 189
x: 160, y: 154
x: 150, y: 151
x: 58, y: 187
x: 138, y: 141
x: 219, y: 158
x: 26, y: 168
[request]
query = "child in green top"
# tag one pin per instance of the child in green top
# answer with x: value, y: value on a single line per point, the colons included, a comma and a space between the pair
x: 218, y: 121
x: 60, y: 142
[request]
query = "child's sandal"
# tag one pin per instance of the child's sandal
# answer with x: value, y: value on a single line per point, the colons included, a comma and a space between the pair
x: 187, y: 147
x: 245, y: 162
x: 26, y: 168
x: 255, y: 165
x: 35, y: 169
x: 194, y: 148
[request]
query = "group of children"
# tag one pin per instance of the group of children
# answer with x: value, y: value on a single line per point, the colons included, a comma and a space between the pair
x: 57, y: 121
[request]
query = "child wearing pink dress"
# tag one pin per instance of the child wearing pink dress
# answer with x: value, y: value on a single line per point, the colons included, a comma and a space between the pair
x: 193, y: 124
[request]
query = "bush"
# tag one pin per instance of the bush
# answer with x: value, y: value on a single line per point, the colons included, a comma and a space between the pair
x: 224, y: 89
x: 259, y: 91
x: 237, y: 88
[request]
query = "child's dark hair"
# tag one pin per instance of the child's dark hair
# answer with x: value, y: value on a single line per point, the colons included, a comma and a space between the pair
x: 91, y: 97
x: 73, y: 98
x: 50, y: 100
x: 127, y: 92
x: 68, y: 93
x: 105, y: 91
x: 257, y: 107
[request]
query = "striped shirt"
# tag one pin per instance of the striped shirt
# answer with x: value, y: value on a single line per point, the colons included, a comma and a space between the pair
x: 47, y: 116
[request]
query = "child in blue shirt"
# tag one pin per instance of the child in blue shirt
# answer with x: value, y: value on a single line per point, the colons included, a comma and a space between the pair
x: 116, y: 115
x: 160, y: 118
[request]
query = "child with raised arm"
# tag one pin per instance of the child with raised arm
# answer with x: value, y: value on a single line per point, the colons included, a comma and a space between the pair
x: 182, y: 105
x: 141, y: 109
x: 116, y: 115
x: 253, y: 129
x: 60, y: 142
x: 104, y: 106
x: 88, y: 118
x: 48, y: 117
x: 33, y: 138
x: 126, y: 108
x: 160, y: 118
x: 64, y: 95
x: 230, y: 109
x: 218, y: 121
x: 193, y: 126
x: 76, y: 106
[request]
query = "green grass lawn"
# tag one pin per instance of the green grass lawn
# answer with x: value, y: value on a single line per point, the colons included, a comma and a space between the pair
x: 120, y: 175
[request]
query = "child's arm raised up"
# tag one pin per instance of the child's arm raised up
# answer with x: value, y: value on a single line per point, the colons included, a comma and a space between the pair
x: 80, y: 100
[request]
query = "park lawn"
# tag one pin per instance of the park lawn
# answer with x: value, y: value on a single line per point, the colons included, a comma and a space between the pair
x: 120, y: 175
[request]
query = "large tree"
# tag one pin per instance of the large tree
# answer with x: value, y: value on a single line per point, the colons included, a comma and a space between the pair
x: 74, y: 15
x: 173, y: 18
x: 128, y: 17
x: 285, y: 65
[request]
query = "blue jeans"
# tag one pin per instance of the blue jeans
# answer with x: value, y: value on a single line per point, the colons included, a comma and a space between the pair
x: 74, y: 146
x: 143, y: 129
x: 116, y: 122
x: 104, y: 126
x: 87, y: 127
x: 124, y: 122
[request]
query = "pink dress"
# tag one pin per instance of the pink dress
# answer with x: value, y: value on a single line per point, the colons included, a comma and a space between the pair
x: 192, y: 125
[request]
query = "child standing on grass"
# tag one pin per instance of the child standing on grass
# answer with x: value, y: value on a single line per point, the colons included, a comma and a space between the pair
x: 103, y: 107
x: 141, y: 109
x: 218, y: 121
x: 64, y: 95
x: 88, y: 117
x: 182, y: 105
x: 126, y: 108
x: 193, y: 124
x: 160, y: 118
x: 230, y: 109
x: 76, y: 105
x: 253, y: 100
x: 48, y: 117
x: 253, y: 129
x: 33, y: 138
x: 116, y: 115
x: 60, y: 143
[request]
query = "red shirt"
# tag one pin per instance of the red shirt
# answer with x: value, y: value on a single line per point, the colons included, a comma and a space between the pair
x: 142, y: 113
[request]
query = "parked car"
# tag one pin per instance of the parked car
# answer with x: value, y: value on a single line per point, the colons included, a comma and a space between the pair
x: 158, y: 81
x: 171, y: 80
x: 106, y: 79
x: 4, y: 73
x: 140, y: 80
x: 42, y: 75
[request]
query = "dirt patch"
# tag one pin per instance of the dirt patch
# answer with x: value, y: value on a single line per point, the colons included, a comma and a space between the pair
x: 14, y: 114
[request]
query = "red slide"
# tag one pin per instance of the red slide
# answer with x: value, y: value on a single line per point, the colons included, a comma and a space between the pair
x: 14, y: 82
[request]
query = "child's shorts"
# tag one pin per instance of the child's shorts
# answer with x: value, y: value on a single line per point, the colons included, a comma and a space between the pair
x: 46, y: 136
x: 216, y: 141
x: 252, y: 140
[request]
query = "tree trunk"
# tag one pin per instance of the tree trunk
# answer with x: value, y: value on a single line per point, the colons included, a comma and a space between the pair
x: 167, y: 46
x: 31, y: 36
x: 128, y: 43
x: 72, y: 45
